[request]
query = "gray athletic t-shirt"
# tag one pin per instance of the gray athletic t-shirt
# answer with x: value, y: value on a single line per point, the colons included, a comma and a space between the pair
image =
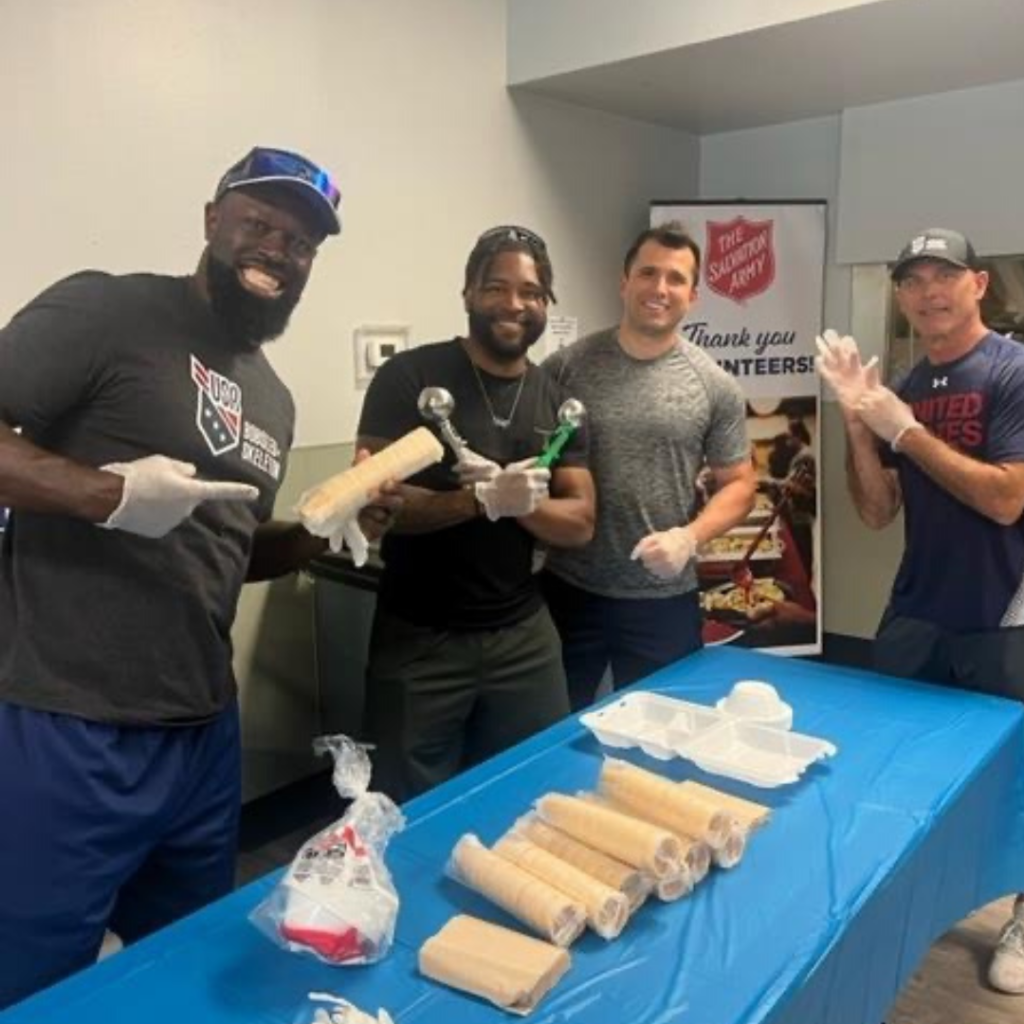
x: 104, y: 624
x: 653, y: 425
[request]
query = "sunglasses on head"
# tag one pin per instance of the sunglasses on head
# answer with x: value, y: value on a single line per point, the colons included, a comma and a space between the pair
x: 278, y: 163
x: 514, y: 234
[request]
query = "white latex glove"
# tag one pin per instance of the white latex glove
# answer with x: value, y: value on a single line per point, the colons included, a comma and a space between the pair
x: 344, y: 1012
x: 666, y: 554
x: 840, y: 366
x: 886, y: 414
x: 475, y: 469
x: 515, y: 491
x: 160, y: 492
x: 348, y: 534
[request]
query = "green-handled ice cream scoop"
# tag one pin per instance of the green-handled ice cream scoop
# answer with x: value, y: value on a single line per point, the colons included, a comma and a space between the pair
x: 570, y: 417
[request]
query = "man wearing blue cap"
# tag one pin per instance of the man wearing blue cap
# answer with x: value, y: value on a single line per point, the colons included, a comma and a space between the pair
x: 946, y: 443
x: 153, y: 436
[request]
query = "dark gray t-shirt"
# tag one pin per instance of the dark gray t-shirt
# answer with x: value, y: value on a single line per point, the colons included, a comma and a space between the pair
x: 653, y: 425
x: 100, y: 623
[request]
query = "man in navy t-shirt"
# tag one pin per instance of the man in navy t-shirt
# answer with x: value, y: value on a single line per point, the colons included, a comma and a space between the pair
x: 947, y: 444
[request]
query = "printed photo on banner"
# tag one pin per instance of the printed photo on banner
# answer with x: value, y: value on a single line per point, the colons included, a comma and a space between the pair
x: 758, y: 312
x: 758, y: 582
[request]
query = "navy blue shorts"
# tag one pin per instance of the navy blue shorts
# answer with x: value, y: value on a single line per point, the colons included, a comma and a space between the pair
x: 107, y: 826
x: 634, y: 636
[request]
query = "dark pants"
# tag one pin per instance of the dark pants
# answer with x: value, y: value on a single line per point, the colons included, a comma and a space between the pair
x: 988, y: 662
x: 635, y: 636
x: 438, y: 701
x: 127, y: 828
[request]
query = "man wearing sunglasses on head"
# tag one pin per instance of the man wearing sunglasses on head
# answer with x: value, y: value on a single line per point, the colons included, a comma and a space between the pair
x: 143, y: 438
x: 464, y: 660
x: 946, y: 444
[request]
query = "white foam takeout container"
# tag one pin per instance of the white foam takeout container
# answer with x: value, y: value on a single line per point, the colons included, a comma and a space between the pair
x: 715, y: 741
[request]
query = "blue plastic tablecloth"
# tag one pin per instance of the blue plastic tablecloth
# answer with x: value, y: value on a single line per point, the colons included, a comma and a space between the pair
x: 865, y: 862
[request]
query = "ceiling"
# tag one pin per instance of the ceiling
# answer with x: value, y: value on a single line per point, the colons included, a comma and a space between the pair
x: 808, y: 68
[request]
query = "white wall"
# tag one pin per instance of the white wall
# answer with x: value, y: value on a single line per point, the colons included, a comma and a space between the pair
x: 952, y: 159
x: 550, y: 37
x: 120, y: 115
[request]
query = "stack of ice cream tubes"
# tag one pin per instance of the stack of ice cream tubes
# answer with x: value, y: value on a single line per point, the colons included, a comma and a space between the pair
x: 573, y: 862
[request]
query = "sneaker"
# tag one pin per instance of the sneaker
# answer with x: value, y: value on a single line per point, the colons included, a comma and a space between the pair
x: 1006, y: 972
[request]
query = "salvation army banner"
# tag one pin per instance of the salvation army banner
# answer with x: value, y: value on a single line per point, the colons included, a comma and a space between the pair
x: 758, y: 310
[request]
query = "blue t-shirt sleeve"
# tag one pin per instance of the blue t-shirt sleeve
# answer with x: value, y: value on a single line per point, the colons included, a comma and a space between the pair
x: 1006, y: 426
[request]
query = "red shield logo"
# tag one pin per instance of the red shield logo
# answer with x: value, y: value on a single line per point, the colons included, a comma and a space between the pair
x: 739, y: 258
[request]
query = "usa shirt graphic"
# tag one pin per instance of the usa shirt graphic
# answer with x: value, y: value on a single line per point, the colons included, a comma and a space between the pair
x: 218, y: 408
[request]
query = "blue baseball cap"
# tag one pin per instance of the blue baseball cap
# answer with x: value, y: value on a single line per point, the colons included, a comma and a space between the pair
x: 309, y: 182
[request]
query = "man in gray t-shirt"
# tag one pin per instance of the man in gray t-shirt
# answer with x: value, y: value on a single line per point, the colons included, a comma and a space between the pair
x: 659, y: 410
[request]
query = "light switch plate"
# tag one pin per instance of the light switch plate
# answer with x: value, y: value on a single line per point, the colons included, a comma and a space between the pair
x: 374, y: 345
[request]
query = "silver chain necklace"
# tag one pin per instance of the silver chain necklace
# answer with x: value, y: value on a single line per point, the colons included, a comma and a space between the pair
x: 501, y: 422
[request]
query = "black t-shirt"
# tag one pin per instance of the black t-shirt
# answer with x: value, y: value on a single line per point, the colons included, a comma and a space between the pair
x: 478, y: 574
x: 104, y: 624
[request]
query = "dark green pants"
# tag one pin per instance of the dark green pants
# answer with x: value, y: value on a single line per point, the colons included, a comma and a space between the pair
x: 439, y: 701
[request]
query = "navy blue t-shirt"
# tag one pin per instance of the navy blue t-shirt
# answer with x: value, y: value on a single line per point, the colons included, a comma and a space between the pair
x: 960, y: 569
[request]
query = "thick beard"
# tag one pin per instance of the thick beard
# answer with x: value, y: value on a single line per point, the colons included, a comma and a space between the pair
x: 248, y: 319
x: 481, y: 329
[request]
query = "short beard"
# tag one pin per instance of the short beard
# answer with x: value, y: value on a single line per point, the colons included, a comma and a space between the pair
x: 249, y: 320
x: 481, y: 329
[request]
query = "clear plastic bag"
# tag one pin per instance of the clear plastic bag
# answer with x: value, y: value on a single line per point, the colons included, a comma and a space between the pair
x: 337, y: 901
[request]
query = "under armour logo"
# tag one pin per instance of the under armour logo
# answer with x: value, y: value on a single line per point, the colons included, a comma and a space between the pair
x: 940, y: 382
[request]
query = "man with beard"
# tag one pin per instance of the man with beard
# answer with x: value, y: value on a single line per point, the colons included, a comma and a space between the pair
x: 659, y: 410
x: 464, y: 660
x: 153, y: 438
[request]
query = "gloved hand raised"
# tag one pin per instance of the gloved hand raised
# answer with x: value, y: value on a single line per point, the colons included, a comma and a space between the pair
x: 667, y: 553
x: 884, y: 412
x: 475, y: 469
x: 160, y: 492
x: 515, y: 490
x: 840, y: 365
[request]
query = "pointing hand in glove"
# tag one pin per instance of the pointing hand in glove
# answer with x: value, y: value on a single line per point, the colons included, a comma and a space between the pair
x: 516, y: 490
x: 666, y: 554
x: 885, y: 413
x: 475, y: 469
x: 840, y: 365
x: 160, y: 492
